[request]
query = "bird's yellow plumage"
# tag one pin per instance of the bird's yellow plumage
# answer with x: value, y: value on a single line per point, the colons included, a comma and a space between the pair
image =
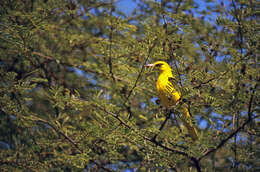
x: 169, y: 96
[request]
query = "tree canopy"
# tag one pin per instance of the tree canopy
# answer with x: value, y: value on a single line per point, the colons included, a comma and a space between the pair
x: 75, y: 93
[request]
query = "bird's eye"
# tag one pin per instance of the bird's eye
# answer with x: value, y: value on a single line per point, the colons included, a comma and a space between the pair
x: 158, y: 65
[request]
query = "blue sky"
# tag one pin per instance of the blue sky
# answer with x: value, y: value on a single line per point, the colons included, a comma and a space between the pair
x: 126, y: 5
x: 129, y: 5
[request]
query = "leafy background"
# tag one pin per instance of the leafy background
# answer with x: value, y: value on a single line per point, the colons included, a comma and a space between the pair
x: 75, y: 94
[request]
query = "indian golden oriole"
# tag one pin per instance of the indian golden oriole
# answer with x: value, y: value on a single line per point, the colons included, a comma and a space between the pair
x: 169, y: 96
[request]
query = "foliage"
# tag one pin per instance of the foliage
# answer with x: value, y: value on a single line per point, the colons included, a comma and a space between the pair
x: 75, y: 93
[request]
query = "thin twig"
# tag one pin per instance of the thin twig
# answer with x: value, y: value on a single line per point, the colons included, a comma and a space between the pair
x: 240, y: 35
x: 139, y: 76
x: 110, y: 43
x: 114, y: 115
x: 178, y: 6
x: 142, y: 69
x: 211, y: 79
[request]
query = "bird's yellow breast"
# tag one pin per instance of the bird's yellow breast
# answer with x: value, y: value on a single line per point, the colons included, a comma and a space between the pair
x: 166, y: 91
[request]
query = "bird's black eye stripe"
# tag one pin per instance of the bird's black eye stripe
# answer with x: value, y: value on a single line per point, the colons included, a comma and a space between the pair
x: 158, y: 65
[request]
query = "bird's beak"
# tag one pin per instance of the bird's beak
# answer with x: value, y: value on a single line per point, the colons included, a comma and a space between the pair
x: 149, y: 65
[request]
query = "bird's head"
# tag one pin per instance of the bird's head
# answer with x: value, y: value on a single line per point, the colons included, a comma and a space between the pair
x: 160, y: 65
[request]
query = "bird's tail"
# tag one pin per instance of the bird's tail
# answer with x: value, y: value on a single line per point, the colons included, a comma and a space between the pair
x: 187, y: 121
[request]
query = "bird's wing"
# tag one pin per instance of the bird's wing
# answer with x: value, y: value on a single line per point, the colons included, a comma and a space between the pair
x: 171, y: 92
x: 169, y: 87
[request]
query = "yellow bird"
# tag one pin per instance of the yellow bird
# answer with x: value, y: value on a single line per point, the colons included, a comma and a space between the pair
x: 169, y: 96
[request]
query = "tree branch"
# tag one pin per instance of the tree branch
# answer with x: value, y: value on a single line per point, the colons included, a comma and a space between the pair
x: 71, y: 141
x: 160, y: 144
x: 163, y: 124
x: 249, y: 119
x: 59, y: 132
x: 209, y: 80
